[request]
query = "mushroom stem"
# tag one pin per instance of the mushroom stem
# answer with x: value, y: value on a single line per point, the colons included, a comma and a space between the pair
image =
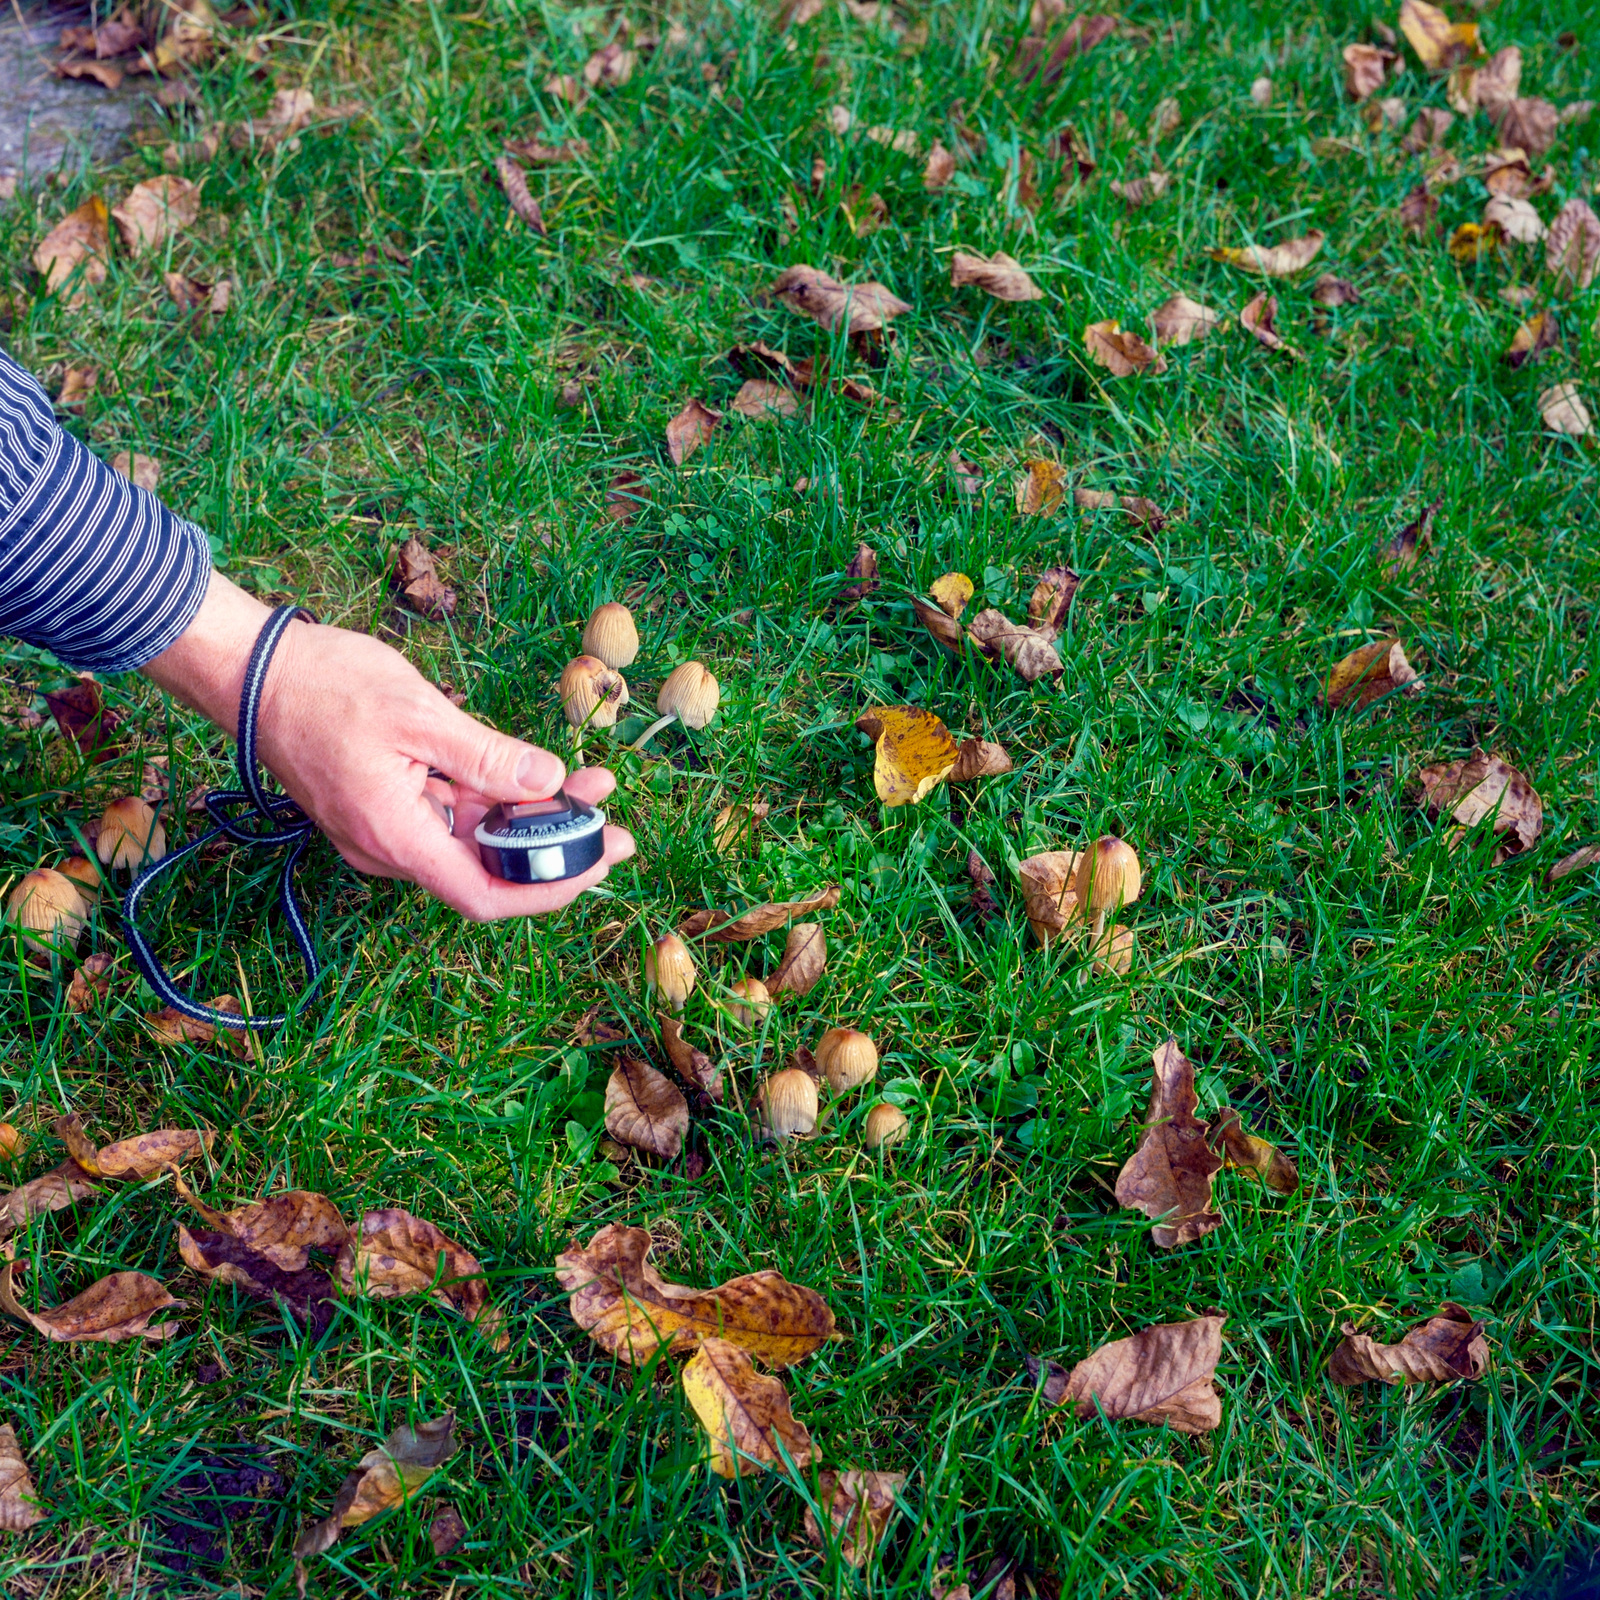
x: 654, y: 728
x: 1099, y: 926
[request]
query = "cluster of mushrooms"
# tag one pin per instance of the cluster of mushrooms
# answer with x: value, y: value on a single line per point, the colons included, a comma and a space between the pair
x: 593, y: 690
x: 788, y: 1103
x: 1072, y: 894
x: 51, y: 904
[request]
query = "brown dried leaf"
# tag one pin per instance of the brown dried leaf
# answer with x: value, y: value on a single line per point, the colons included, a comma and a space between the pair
x: 55, y: 1191
x: 143, y: 472
x: 1507, y: 172
x: 82, y: 715
x: 417, y: 578
x: 951, y: 593
x: 139, y: 1157
x: 1122, y: 352
x: 630, y: 1311
x: 1483, y: 786
x: 735, y: 826
x: 981, y: 901
x: 221, y: 1258
x: 1572, y: 247
x: 694, y: 1066
x: 20, y: 1505
x: 1563, y: 411
x: 1516, y: 219
x: 116, y: 1308
x: 1368, y: 674
x: 1539, y: 333
x: 1030, y: 654
x: 1051, y: 600
x: 1162, y: 1374
x: 746, y: 1417
x: 1181, y: 320
x: 1251, y: 1154
x: 156, y: 210
x: 1428, y: 131
x: 998, y: 275
x: 1418, y: 210
x: 537, y: 153
x: 980, y: 758
x: 1402, y: 550
x: 118, y: 37
x: 1586, y: 856
x: 446, y: 1531
x: 805, y: 959
x: 915, y: 752
x: 719, y: 928
x: 1258, y: 318
x: 610, y: 66
x: 1141, y: 510
x: 691, y: 428
x: 859, y: 1505
x: 1440, y: 1350
x: 862, y: 307
x: 762, y: 400
x: 1439, y: 43
x: 939, y: 169
x: 568, y: 87
x: 864, y: 214
x: 1081, y: 35
x: 944, y: 629
x: 515, y: 184
x: 1526, y: 124
x: 284, y: 1228
x: 1331, y: 291
x: 1041, y: 489
x: 592, y: 1029
x: 645, y: 1110
x: 1275, y: 261
x: 1496, y: 83
x: 862, y: 573
x: 626, y: 494
x: 1171, y: 1171
x: 1048, y: 898
x: 1366, y: 66
x: 90, y: 984
x: 1136, y: 192
x: 80, y: 240
x: 390, y: 1253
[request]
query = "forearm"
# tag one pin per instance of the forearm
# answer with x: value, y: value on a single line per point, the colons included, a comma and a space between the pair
x: 205, y: 667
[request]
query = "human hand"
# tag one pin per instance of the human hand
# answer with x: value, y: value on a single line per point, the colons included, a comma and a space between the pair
x: 351, y: 730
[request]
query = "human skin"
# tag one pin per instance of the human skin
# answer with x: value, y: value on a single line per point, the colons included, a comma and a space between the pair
x: 351, y: 729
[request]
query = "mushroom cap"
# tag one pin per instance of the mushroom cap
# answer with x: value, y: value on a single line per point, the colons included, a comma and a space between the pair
x: 690, y: 694
x: 611, y: 636
x: 591, y: 693
x: 129, y: 834
x: 751, y: 1001
x: 48, y: 902
x: 788, y: 1103
x: 1108, y: 875
x: 84, y: 875
x: 886, y: 1124
x: 1113, y: 952
x: 848, y: 1059
x: 669, y: 969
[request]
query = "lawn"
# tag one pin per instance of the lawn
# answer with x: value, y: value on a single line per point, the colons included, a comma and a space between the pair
x: 1413, y: 1022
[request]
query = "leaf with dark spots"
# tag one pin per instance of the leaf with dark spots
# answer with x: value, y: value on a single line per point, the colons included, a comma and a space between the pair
x: 1170, y: 1174
x: 1402, y: 549
x: 221, y: 1258
x: 1445, y: 1347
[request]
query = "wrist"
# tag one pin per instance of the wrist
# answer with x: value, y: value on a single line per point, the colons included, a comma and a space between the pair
x: 205, y: 666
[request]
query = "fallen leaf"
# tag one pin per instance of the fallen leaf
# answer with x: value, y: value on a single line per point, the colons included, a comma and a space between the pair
x: 568, y: 87
x: 81, y: 239
x: 139, y: 1157
x: 1366, y: 66
x: 518, y: 194
x: 116, y: 1308
x: 1539, y: 333
x: 951, y: 593
x: 735, y: 826
x: 1496, y: 83
x: 914, y: 752
x: 1048, y: 897
x: 1251, y: 1154
x: 695, y: 1067
x: 417, y: 578
x: 1368, y: 674
x: 106, y: 73
x: 1378, y: 115
x: 717, y: 927
x: 981, y: 901
x: 1428, y: 131
x: 117, y: 37
x: 691, y: 428
x: 390, y: 1254
x: 939, y: 169
x: 864, y: 213
x: 862, y: 574
x: 1162, y: 1374
x: 1438, y: 42
x: 1401, y: 551
x: 625, y: 495
x: 1181, y: 320
x: 155, y: 210
x: 170, y: 1027
x: 1331, y: 291
x: 56, y: 1190
x: 862, y: 307
x: 746, y: 1416
x: 1123, y: 353
x: 1171, y: 1171
x: 385, y: 1478
x: 644, y: 1109
x: 1418, y: 210
x: 1258, y: 318
x: 762, y: 400
x: 805, y: 959
x: 143, y: 472
x: 446, y: 1531
x: 1081, y: 35
x: 943, y: 628
x: 1483, y: 786
x: 610, y: 67
x: 90, y: 984
x: 1526, y: 124
x: 221, y: 1258
x: 1041, y: 489
x: 1507, y: 172
x: 1276, y: 261
x: 998, y: 275
x: 1030, y: 654
x: 1563, y: 411
x: 82, y: 715
x: 1440, y: 1350
x: 537, y: 153
x: 759, y: 360
x: 1051, y: 600
x: 77, y: 384
x: 980, y: 758
x: 1143, y: 191
x: 901, y: 140
x: 284, y: 1228
x: 1515, y: 219
x: 592, y: 1029
x: 859, y: 1505
x: 20, y: 1505
x: 629, y: 1310
x: 1572, y: 246
x: 1586, y: 856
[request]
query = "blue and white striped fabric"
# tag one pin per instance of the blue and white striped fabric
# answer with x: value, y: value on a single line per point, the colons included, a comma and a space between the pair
x: 97, y: 572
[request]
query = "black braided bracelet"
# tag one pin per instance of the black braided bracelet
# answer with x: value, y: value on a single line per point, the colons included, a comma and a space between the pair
x: 286, y: 824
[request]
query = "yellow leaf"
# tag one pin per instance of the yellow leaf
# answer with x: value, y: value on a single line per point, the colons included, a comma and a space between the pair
x: 1041, y: 491
x: 951, y: 593
x: 915, y: 752
x: 746, y: 1417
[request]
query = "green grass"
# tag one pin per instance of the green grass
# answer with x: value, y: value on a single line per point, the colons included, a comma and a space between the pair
x: 1417, y: 1025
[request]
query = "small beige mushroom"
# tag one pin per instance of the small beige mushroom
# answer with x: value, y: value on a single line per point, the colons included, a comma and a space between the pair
x: 84, y: 874
x: 886, y: 1124
x: 129, y: 834
x: 47, y: 903
x: 1108, y: 878
x: 786, y: 1105
x: 848, y: 1058
x: 610, y: 636
x: 690, y: 695
x: 749, y: 1004
x: 669, y: 971
x: 591, y: 695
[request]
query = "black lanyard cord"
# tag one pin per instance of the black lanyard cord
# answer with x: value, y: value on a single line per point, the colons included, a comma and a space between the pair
x: 286, y: 824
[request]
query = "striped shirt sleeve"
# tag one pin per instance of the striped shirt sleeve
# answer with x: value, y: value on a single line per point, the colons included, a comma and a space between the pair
x: 92, y: 569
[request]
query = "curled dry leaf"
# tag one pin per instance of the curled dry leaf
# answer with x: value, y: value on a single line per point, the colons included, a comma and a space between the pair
x: 1572, y: 246
x: 1496, y: 83
x: 1030, y: 655
x: 154, y: 211
x: 944, y: 628
x: 55, y: 1191
x: 610, y: 66
x: 1041, y: 489
x: 1440, y: 1350
x: 80, y: 240
x: 746, y: 1416
x: 284, y: 1228
x: 998, y: 275
x: 734, y: 827
x: 1485, y: 786
x: 1080, y: 35
x: 862, y: 307
x: 1275, y: 261
x: 1251, y: 1154
x: 1259, y: 317
x: 1366, y: 66
x: 1123, y: 353
x: 446, y: 1531
x: 592, y: 1029
x: 805, y: 959
x: 761, y: 400
x: 221, y: 1258
x: 116, y: 1308
x: 1428, y: 131
x: 1171, y: 1171
x: 1143, y: 191
x: 1508, y: 172
x: 1563, y: 411
x: 631, y: 1311
x: 91, y: 982
x: 1181, y: 320
x: 82, y: 715
x: 1162, y: 1374
x: 915, y: 752
x: 20, y: 1505
x: 390, y: 1254
x: 694, y: 1066
x: 539, y: 154
x: 1331, y: 291
x: 980, y: 758
x: 1516, y: 219
x: 1051, y: 600
x: 1539, y: 333
x: 1439, y: 43
x: 1368, y: 674
x: 416, y: 576
x: 1586, y: 856
x: 1048, y: 897
x: 718, y: 927
x: 644, y: 1109
x: 1402, y: 550
x: 1418, y: 210
x: 859, y: 1505
x: 140, y: 1157
x: 939, y: 169
x: 862, y: 574
x: 1527, y: 124
x: 384, y: 1479
x: 515, y: 184
x: 951, y: 593
x: 691, y: 428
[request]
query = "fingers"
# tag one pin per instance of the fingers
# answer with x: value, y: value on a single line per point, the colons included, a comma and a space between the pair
x: 591, y: 785
x: 454, y: 873
x: 483, y: 759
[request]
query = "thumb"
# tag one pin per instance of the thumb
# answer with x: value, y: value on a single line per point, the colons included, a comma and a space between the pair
x: 492, y: 763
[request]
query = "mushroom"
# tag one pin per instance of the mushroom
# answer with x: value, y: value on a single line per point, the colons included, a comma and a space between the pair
x: 1107, y: 879
x: 610, y: 636
x: 690, y: 696
x: 848, y: 1059
x: 786, y: 1105
x: 47, y: 903
x: 84, y: 874
x: 750, y: 1003
x: 129, y: 834
x: 886, y: 1124
x: 1114, y: 952
x: 12, y: 1142
x: 591, y: 694
x: 669, y: 970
